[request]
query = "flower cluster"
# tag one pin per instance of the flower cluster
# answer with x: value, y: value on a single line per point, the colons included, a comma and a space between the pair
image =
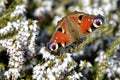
x: 2, y: 6
x: 59, y: 67
x: 9, y: 28
x: 19, y: 47
x: 19, y: 10
x: 101, y: 57
x: 113, y: 65
x: 54, y: 67
x: 46, y: 7
x: 12, y: 72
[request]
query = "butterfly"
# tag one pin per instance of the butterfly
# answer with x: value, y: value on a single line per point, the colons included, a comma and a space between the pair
x: 72, y: 29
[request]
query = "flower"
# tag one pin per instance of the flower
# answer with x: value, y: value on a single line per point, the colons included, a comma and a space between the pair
x: 19, y: 10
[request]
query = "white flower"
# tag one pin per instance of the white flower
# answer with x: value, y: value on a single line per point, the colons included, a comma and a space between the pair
x: 14, y: 73
x: 37, y: 67
x: 39, y: 11
x: 89, y: 65
x: 55, y: 20
x: 46, y: 54
x: 75, y: 76
x: 118, y: 70
x: 9, y: 42
x: 18, y: 10
x: 81, y: 64
x: 51, y: 76
x: 47, y: 5
x: 37, y: 72
x: 101, y: 57
x: 68, y: 58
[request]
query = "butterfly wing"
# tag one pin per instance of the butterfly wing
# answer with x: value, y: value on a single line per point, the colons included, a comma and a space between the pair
x: 72, y: 28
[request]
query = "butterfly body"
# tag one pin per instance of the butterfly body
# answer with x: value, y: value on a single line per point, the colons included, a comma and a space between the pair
x: 72, y: 28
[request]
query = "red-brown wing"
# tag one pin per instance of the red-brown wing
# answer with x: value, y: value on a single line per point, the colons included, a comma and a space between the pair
x: 72, y: 28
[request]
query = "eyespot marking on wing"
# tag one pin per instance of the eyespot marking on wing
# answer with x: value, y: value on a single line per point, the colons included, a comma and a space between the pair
x: 53, y: 46
x: 97, y: 22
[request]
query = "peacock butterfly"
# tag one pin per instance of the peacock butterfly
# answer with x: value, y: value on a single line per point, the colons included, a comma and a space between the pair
x: 71, y: 30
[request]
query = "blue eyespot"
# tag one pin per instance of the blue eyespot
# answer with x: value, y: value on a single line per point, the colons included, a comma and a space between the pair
x: 53, y: 46
x: 98, y: 21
